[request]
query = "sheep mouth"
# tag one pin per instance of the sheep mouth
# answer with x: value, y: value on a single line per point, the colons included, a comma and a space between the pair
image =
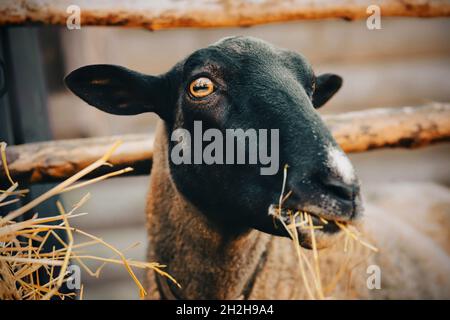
x: 325, y: 226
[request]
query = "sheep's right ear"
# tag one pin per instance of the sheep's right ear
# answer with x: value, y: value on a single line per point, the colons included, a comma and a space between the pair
x: 117, y: 90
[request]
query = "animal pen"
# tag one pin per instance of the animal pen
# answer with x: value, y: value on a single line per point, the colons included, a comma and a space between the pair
x: 38, y: 162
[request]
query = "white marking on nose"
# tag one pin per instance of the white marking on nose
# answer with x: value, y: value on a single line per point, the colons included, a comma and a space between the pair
x: 341, y: 165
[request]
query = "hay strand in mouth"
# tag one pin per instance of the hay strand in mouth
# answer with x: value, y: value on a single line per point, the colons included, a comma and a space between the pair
x: 21, y: 243
x: 316, y: 258
x: 282, y: 196
x: 293, y: 233
x: 355, y: 235
x: 310, y: 272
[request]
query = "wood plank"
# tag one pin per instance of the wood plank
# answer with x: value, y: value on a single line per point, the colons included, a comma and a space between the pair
x: 406, y: 127
x: 165, y: 14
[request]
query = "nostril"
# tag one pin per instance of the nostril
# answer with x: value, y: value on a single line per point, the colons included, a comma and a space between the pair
x: 342, y: 192
x: 340, y: 189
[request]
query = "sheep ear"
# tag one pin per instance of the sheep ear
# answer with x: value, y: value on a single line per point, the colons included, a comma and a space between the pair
x: 326, y: 86
x: 116, y: 90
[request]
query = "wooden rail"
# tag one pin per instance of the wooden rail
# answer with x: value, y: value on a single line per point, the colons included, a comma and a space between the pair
x: 166, y: 14
x: 405, y: 127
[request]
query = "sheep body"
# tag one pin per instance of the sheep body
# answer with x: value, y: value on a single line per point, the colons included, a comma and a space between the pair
x: 254, y: 265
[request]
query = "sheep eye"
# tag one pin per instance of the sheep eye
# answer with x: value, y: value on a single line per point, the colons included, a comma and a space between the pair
x: 201, y: 87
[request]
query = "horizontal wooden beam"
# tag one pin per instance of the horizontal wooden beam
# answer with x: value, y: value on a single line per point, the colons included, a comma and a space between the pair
x: 59, y: 159
x: 405, y: 127
x: 166, y: 14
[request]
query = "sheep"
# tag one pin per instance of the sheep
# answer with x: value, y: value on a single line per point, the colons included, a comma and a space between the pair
x: 209, y: 223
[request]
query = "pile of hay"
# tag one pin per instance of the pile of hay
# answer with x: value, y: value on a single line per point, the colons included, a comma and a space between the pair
x: 22, y: 257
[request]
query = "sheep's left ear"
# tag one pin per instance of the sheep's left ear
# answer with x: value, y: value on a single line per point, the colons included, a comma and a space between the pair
x: 326, y: 86
x: 117, y: 90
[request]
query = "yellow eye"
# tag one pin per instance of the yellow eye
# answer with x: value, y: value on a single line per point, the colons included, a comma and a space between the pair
x: 201, y: 87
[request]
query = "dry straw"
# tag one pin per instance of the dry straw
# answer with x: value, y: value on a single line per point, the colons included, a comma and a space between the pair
x: 310, y: 266
x: 21, y: 243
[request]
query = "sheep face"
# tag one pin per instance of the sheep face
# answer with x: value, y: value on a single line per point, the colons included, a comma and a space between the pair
x: 245, y: 84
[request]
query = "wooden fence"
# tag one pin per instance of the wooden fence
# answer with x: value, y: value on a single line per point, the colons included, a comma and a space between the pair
x: 405, y: 127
